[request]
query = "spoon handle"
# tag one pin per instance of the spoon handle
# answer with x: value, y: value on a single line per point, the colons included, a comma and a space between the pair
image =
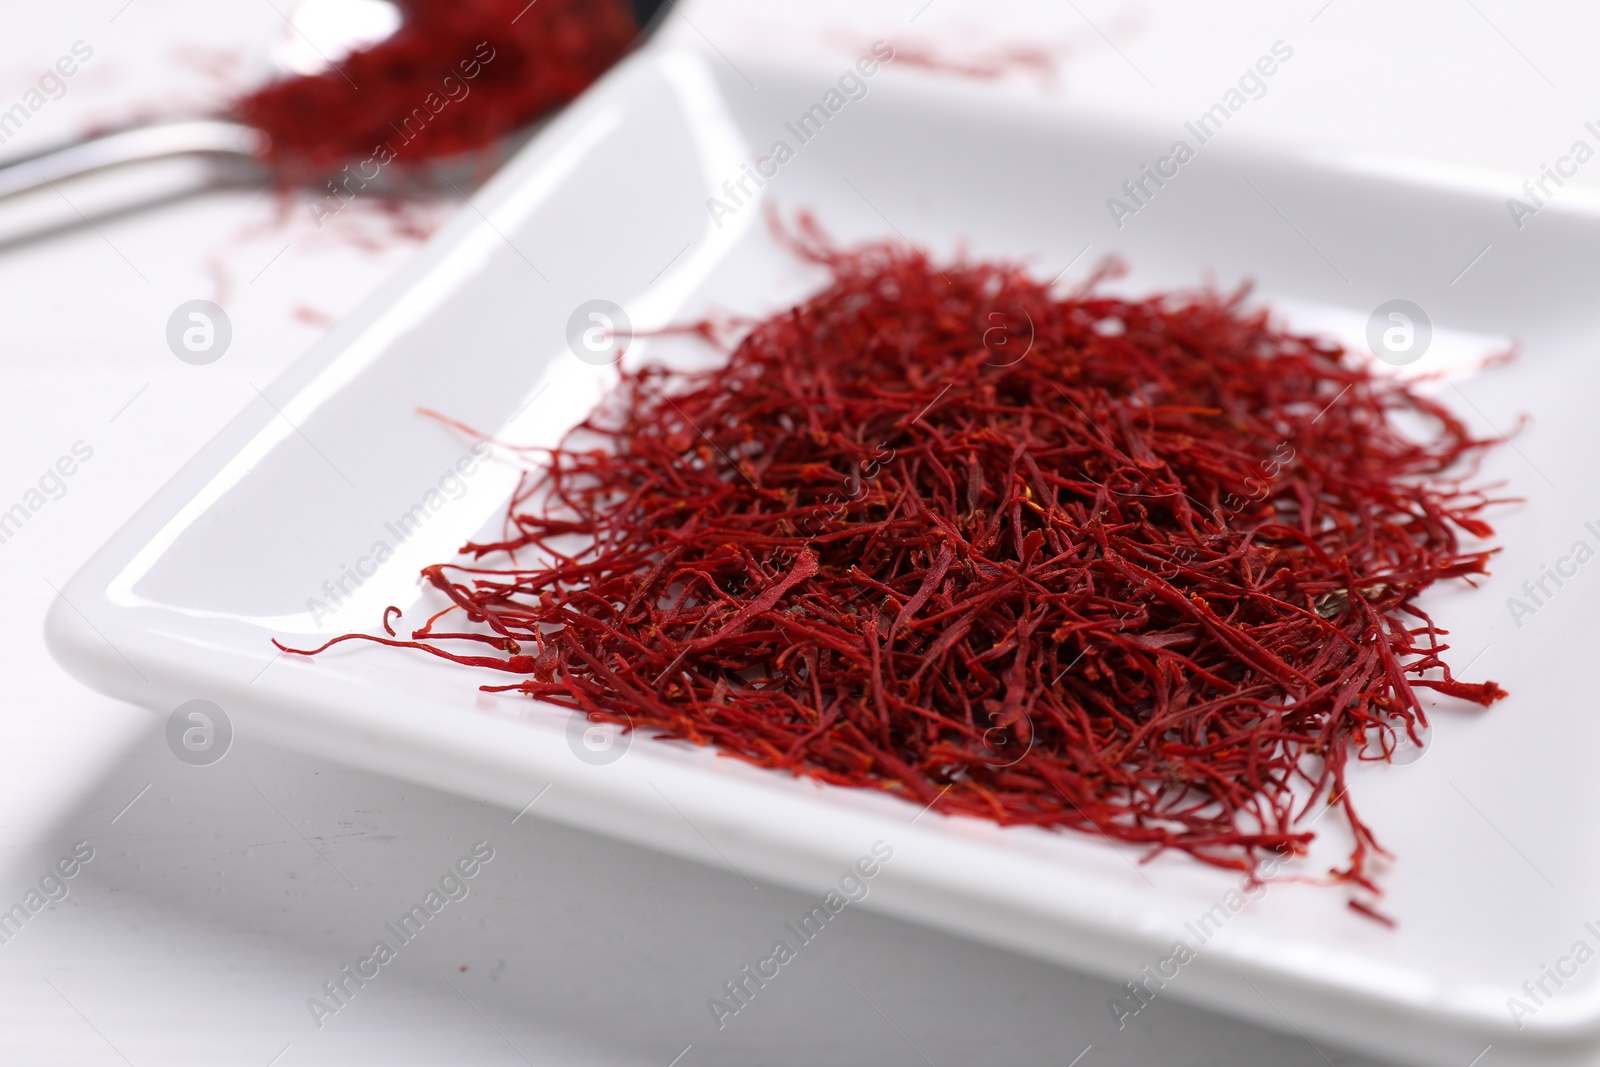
x: 213, y: 138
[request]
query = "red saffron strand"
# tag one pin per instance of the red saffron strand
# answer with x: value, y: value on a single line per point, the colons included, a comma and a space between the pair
x: 456, y: 76
x: 1156, y: 579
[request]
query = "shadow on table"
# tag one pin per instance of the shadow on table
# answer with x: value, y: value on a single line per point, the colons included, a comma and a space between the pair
x: 275, y: 872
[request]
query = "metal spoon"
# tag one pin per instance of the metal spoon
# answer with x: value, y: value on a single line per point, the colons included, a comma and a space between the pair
x: 231, y: 152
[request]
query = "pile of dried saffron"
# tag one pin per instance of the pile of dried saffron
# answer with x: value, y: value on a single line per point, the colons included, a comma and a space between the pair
x: 1145, y: 568
x: 457, y: 75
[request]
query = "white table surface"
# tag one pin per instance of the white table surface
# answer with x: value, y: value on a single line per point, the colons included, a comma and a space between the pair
x: 223, y: 897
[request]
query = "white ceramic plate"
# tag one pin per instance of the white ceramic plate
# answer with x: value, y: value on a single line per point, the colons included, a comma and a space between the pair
x: 296, y: 496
